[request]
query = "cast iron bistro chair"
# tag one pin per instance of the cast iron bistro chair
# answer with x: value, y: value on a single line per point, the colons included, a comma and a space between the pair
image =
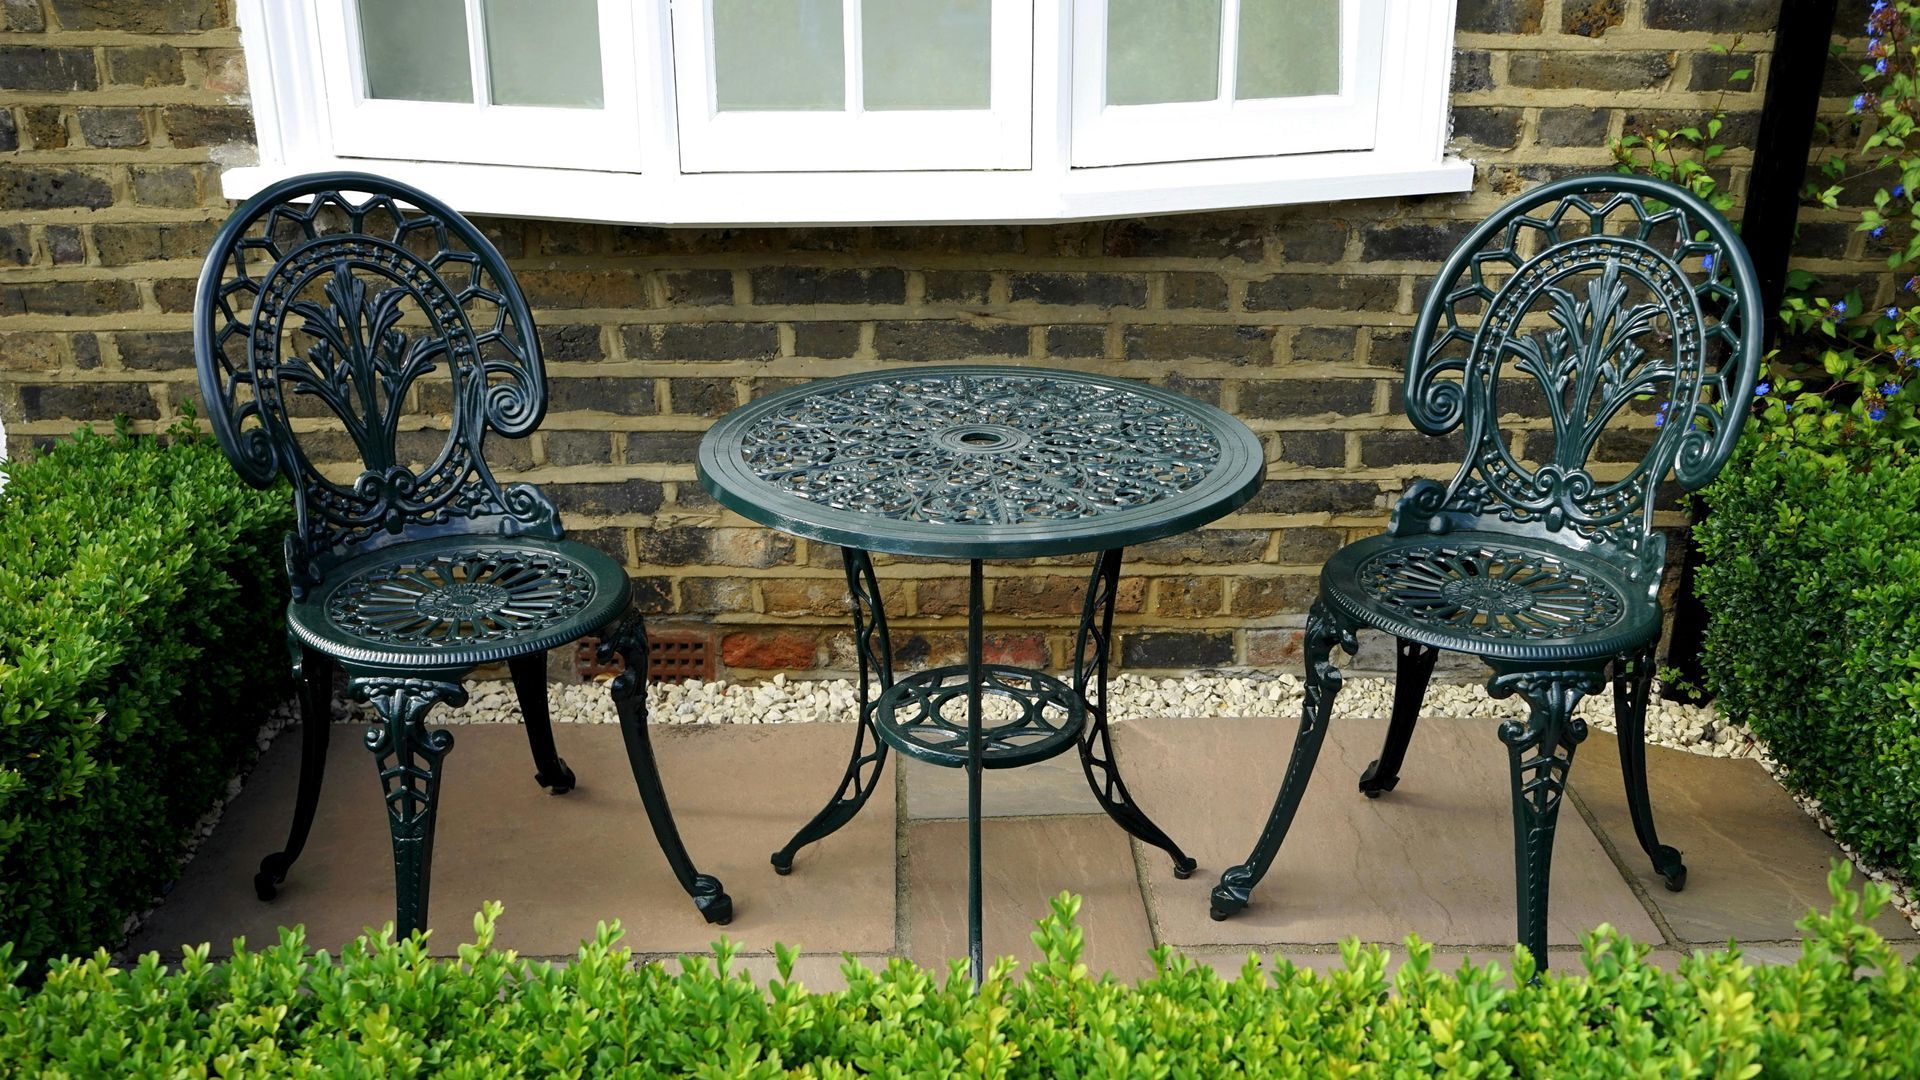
x: 1586, y: 297
x: 345, y: 300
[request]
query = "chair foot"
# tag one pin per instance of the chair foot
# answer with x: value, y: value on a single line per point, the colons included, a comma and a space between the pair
x: 1184, y: 868
x: 273, y: 874
x: 1373, y: 785
x: 782, y: 863
x: 1667, y: 864
x: 558, y: 782
x: 712, y: 900
x: 1231, y: 895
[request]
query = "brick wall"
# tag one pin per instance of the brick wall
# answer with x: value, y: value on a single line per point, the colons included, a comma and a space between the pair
x: 115, y: 118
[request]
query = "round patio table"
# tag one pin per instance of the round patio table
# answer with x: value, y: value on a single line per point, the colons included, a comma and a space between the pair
x: 976, y: 463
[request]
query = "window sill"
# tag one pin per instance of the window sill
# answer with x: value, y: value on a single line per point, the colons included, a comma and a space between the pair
x: 920, y: 198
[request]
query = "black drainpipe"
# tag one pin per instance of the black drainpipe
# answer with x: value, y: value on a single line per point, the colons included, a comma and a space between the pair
x: 1773, y: 203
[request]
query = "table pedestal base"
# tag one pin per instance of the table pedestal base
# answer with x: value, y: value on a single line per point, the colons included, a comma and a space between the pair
x: 980, y: 716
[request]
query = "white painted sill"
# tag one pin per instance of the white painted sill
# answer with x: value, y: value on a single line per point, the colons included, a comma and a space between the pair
x: 893, y: 198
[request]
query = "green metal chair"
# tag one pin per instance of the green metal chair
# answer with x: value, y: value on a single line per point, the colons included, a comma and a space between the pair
x: 1586, y: 298
x: 330, y: 307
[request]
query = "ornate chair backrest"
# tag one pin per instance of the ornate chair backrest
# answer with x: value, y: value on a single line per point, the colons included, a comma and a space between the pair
x: 349, y: 301
x: 1583, y: 299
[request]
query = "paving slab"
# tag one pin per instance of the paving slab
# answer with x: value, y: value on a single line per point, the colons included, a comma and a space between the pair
x: 1026, y: 862
x: 1057, y: 785
x: 1434, y: 857
x: 1755, y: 861
x: 558, y: 863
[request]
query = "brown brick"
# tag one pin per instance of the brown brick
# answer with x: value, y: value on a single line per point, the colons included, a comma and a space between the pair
x: 1591, y: 71
x: 1573, y: 127
x: 945, y: 596
x: 1307, y: 545
x: 1021, y: 650
x: 1315, y: 497
x: 1715, y: 71
x: 1196, y: 290
x: 806, y: 596
x: 1050, y: 595
x: 1334, y: 344
x: 87, y: 401
x: 619, y: 497
x: 24, y: 15
x: 157, y: 17
x: 621, y: 396
x: 1417, y: 242
x: 1592, y: 18
x: 1207, y: 390
x: 701, y: 397
x: 1273, y: 648
x: 668, y: 447
x: 702, y: 341
x: 1495, y: 128
x: 114, y: 128
x: 1379, y: 448
x: 1184, y: 650
x: 172, y: 186
x: 25, y: 351
x: 1210, y: 546
x: 586, y: 288
x: 1472, y: 70
x: 697, y: 288
x: 175, y: 295
x: 578, y: 342
x: 69, y: 298
x: 709, y: 595
x: 1237, y: 344
x: 124, y: 244
x: 817, y: 285
x: 144, y: 65
x: 1188, y: 597
x: 1323, y: 292
x: 16, y: 245
x: 1314, y: 449
x: 579, y: 448
x: 827, y: 340
x: 940, y: 339
x: 1280, y: 398
x: 205, y: 125
x: 1313, y: 241
x: 36, y: 67
x: 1185, y: 238
x: 46, y: 126
x: 1499, y: 16
x: 163, y: 350
x: 1722, y: 16
x: 1264, y: 597
x: 781, y: 650
x: 9, y: 130
x: 957, y: 286
x: 65, y: 245
x: 1091, y: 289
x: 226, y: 70
x: 1077, y: 341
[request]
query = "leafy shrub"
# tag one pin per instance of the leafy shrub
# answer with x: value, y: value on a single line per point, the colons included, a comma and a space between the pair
x: 1812, y: 584
x: 1846, y: 1008
x: 140, y: 615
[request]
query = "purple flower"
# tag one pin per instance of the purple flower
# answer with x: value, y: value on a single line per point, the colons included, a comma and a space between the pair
x: 1708, y: 263
x: 1893, y: 313
x: 1878, y: 231
x: 1762, y: 389
x: 1877, y: 413
x: 1899, y: 190
x: 1888, y: 389
x: 1912, y: 283
x: 1660, y: 418
x: 1839, y: 307
x: 1859, y: 103
x: 1880, y: 65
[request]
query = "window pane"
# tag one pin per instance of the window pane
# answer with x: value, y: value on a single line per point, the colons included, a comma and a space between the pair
x: 779, y: 54
x: 1288, y: 48
x: 1162, y: 50
x: 416, y: 49
x: 544, y: 52
x: 925, y: 54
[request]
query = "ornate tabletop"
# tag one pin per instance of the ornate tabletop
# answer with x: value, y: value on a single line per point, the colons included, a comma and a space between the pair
x: 980, y: 462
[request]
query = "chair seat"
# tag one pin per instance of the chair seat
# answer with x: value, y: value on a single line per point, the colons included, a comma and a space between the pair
x: 1492, y: 594
x: 456, y: 602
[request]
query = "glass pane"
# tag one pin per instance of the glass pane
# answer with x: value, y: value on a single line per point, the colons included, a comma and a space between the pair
x: 1288, y: 48
x: 925, y: 54
x: 544, y: 52
x: 779, y: 54
x: 1162, y: 50
x: 416, y: 50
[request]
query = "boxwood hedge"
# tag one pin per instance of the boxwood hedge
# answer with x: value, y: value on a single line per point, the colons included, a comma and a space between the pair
x: 141, y: 609
x: 1812, y: 584
x: 1846, y: 1008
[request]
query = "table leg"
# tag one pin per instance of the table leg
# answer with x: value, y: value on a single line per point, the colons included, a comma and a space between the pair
x: 869, y: 758
x: 976, y: 608
x: 1090, y: 653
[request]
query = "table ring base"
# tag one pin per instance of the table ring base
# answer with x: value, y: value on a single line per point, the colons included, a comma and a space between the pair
x: 1027, y: 716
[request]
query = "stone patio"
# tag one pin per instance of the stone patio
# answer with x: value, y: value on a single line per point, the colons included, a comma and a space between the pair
x: 1433, y: 857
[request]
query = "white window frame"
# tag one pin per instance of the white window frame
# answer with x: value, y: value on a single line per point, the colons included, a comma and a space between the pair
x: 789, y: 140
x: 298, y: 116
x: 1226, y: 127
x: 480, y: 131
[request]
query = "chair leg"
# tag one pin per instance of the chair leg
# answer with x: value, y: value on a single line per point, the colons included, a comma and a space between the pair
x: 629, y: 691
x: 869, y: 758
x: 408, y: 757
x: 1631, y: 689
x: 1539, y: 756
x: 1324, y: 630
x: 530, y: 685
x: 1411, y: 675
x: 314, y: 672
